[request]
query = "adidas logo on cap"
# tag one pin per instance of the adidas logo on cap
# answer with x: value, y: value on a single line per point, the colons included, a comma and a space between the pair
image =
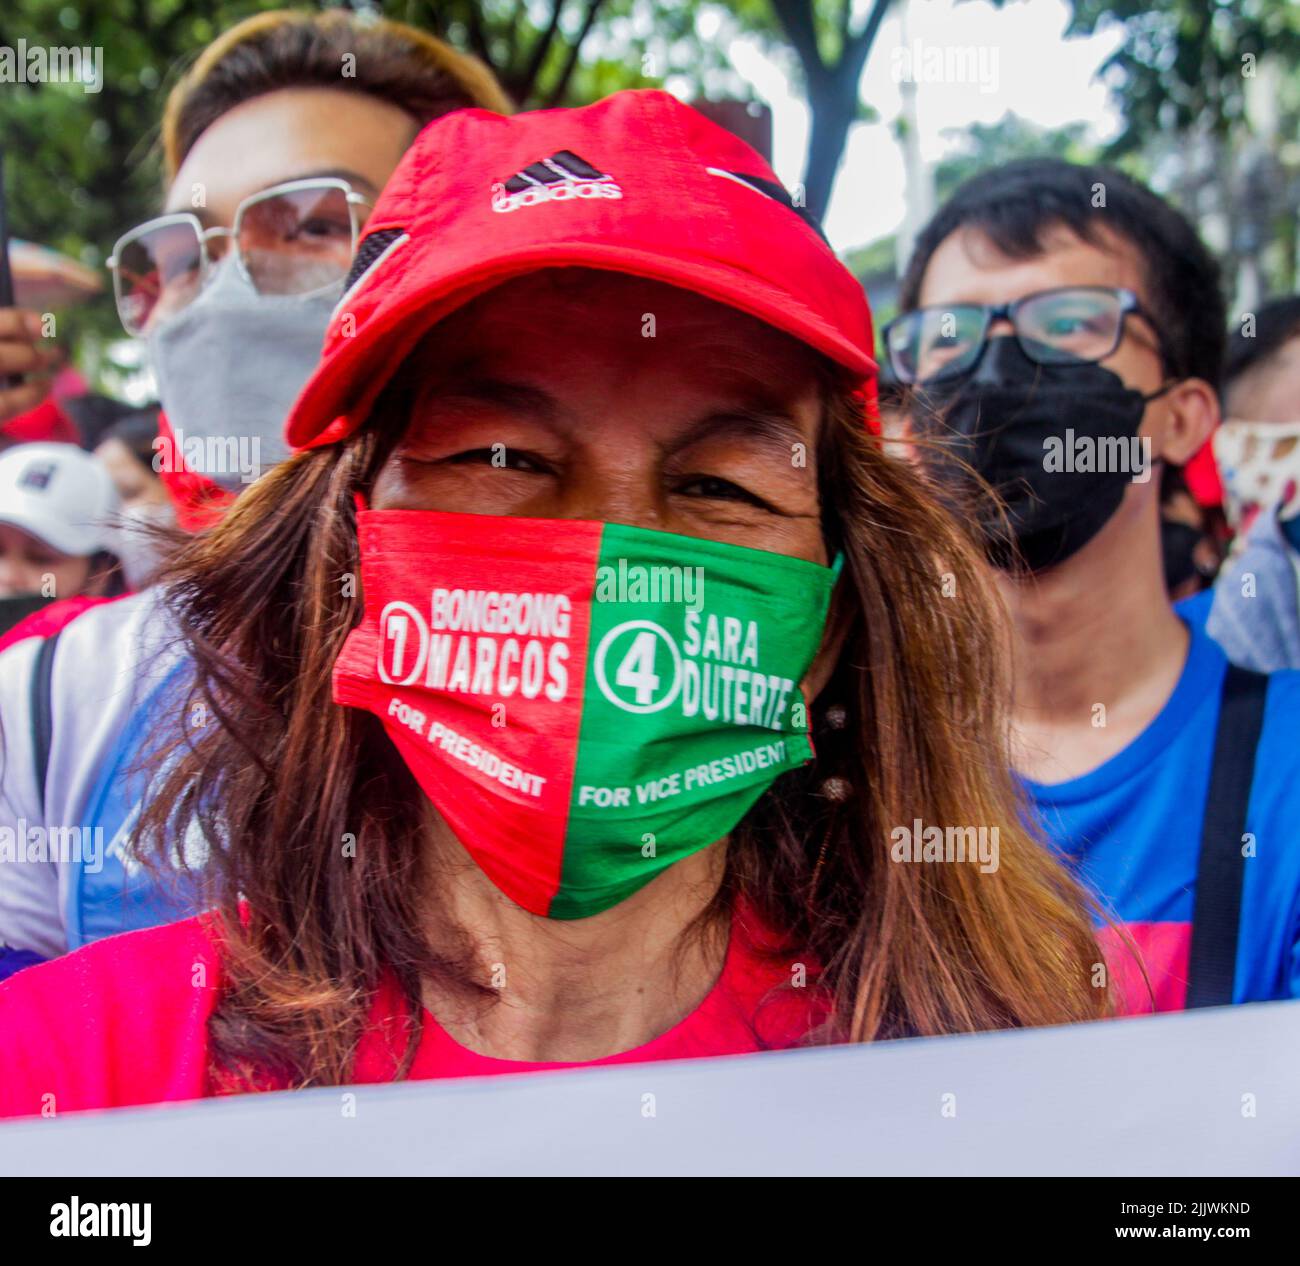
x: 560, y: 178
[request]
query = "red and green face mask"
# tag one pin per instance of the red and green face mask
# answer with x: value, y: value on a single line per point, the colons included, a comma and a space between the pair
x: 585, y: 704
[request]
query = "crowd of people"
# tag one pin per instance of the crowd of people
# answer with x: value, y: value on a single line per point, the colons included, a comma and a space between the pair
x: 541, y: 624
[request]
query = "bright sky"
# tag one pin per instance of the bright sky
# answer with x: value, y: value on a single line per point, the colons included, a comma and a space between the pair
x: 1020, y: 61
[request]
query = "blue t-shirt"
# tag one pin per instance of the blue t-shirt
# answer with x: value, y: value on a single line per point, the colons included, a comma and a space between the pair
x: 1195, y: 611
x: 1133, y: 829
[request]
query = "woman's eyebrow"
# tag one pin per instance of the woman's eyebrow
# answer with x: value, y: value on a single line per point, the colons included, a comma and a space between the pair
x: 517, y: 397
x: 772, y: 428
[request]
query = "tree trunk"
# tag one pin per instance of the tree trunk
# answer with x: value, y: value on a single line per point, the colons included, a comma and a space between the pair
x: 832, y: 90
x: 832, y: 115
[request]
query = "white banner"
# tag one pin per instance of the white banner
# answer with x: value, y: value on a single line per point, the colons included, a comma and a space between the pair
x: 1211, y: 1092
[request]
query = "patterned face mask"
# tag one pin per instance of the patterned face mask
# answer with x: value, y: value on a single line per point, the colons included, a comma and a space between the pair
x: 1259, y: 464
x: 584, y: 703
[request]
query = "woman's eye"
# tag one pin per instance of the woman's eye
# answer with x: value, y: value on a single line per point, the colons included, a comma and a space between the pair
x: 713, y: 488
x: 501, y: 457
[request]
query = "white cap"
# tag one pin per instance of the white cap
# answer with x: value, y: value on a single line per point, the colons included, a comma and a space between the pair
x: 58, y: 494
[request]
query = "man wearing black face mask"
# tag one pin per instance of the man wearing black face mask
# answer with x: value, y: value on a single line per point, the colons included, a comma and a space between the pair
x: 1061, y: 336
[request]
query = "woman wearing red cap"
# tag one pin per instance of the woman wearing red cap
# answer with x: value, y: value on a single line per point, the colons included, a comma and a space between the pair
x: 590, y: 688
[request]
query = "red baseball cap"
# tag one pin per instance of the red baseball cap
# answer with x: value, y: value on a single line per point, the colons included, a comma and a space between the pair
x: 638, y: 183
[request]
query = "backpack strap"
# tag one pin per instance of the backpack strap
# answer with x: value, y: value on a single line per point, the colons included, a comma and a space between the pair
x: 42, y: 714
x: 1221, y: 867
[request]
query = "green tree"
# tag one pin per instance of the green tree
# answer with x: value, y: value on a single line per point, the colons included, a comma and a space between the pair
x: 830, y: 49
x: 984, y: 145
x: 83, y: 166
x: 566, y: 52
x: 1183, y: 79
x: 1183, y: 64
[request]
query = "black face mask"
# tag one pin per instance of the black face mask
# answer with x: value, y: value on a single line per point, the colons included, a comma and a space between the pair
x: 1179, y: 542
x: 1015, y: 423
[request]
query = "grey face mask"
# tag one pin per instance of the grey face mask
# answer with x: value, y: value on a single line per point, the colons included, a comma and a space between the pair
x: 230, y: 366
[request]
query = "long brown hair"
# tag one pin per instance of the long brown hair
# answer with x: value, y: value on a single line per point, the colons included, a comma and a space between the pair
x: 317, y: 830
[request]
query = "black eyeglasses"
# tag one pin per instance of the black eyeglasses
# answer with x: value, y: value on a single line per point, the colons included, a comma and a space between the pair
x: 1072, y: 325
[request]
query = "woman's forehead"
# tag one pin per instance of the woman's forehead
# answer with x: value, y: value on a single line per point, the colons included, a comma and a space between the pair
x: 583, y: 317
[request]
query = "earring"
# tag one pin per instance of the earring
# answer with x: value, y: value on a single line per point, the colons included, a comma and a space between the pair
x: 836, y: 716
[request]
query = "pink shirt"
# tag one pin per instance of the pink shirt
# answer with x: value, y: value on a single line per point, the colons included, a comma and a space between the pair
x: 124, y: 1021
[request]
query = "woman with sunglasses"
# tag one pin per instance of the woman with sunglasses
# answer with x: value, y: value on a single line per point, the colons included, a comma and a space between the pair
x: 274, y: 156
x: 516, y: 667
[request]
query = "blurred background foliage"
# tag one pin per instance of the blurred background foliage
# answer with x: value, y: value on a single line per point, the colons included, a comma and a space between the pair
x: 1206, y: 89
